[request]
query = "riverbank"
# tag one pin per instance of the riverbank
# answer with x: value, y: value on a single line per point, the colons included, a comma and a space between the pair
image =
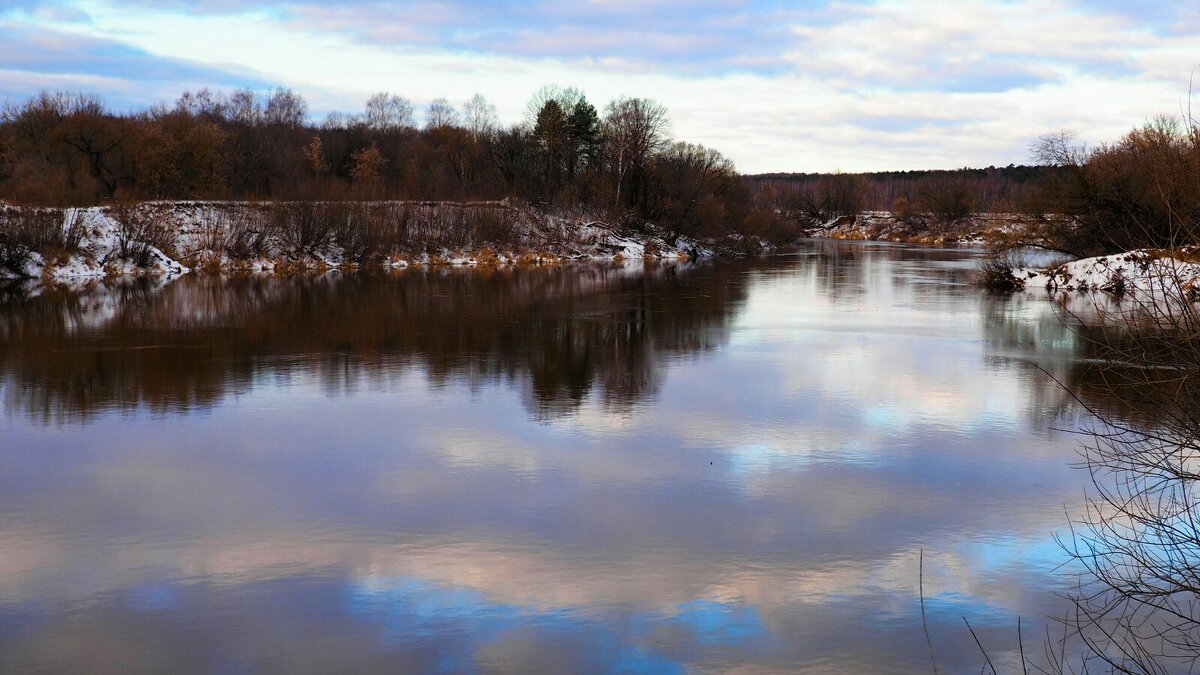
x: 978, y: 229
x: 1148, y: 272
x: 168, y: 239
x: 1141, y: 273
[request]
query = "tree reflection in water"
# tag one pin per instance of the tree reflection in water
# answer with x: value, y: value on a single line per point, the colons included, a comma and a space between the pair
x: 1134, y: 369
x: 559, y: 333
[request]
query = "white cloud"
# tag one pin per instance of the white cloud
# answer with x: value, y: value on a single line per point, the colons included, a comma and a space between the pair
x: 888, y: 85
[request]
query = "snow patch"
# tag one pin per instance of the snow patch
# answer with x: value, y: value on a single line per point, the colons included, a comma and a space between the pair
x: 1151, y: 274
x: 974, y: 231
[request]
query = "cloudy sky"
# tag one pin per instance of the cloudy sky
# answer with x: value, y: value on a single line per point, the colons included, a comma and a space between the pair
x: 807, y: 85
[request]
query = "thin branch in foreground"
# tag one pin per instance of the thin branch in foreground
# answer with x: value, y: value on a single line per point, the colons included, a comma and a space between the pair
x: 924, y: 622
x: 979, y: 644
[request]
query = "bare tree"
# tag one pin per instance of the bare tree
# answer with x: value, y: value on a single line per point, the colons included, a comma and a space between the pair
x: 634, y: 129
x: 479, y: 117
x: 245, y: 107
x: 61, y: 149
x: 338, y: 120
x: 286, y: 108
x: 1139, y: 540
x: 95, y: 134
x: 440, y: 114
x: 1138, y: 601
x: 203, y: 103
x: 693, y: 177
x: 1139, y: 192
x: 386, y: 112
x: 825, y: 202
x: 947, y: 202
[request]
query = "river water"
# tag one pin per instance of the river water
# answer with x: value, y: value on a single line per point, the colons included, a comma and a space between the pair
x: 625, y: 467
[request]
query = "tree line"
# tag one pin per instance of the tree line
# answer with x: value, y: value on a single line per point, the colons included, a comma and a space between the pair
x: 1140, y: 191
x: 925, y: 199
x: 619, y: 161
x: 992, y: 189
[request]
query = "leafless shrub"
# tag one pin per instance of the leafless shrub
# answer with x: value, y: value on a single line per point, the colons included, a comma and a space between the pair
x: 394, y: 221
x: 237, y: 236
x: 47, y: 231
x: 769, y: 227
x: 53, y: 233
x: 438, y: 226
x: 456, y: 228
x: 996, y: 271
x: 946, y: 203
x: 213, y: 229
x: 360, y: 233
x: 832, y: 198
x: 138, y: 234
x: 14, y: 252
x: 305, y: 226
x: 425, y: 224
x: 493, y: 226
x: 908, y: 213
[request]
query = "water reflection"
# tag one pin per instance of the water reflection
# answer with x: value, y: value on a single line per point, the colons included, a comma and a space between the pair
x: 558, y: 331
x: 1079, y: 348
x: 593, y: 468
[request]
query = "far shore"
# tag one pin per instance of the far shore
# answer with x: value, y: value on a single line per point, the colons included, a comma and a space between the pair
x: 980, y: 229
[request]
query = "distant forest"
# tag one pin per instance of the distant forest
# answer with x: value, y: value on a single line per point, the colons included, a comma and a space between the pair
x: 994, y: 189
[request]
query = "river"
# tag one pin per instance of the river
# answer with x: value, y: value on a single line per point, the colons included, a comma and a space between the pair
x: 630, y: 467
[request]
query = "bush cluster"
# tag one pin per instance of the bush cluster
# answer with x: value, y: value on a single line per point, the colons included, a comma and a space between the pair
x: 1139, y: 192
x: 50, y: 232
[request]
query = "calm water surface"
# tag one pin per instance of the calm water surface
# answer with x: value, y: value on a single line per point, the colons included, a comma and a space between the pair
x: 636, y: 468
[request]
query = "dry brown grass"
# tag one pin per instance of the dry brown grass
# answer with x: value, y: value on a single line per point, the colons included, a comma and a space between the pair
x: 486, y: 256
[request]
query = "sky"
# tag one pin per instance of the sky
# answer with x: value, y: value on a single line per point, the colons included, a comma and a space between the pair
x: 807, y: 85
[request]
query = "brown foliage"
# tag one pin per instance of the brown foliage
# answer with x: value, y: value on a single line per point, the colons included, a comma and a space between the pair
x: 1139, y: 192
x: 60, y: 149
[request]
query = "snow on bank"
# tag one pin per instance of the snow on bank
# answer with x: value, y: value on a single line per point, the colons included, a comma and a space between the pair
x: 190, y: 234
x: 1147, y: 273
x: 105, y: 250
x: 887, y: 226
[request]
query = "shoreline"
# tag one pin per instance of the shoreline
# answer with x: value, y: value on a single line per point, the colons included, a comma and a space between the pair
x: 976, y: 230
x: 1143, y: 275
x: 165, y: 240
x: 1151, y: 273
x: 172, y: 238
